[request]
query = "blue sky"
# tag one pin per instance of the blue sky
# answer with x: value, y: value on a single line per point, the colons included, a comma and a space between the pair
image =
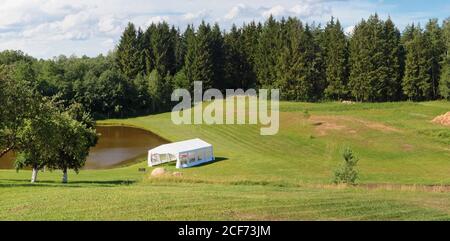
x: 47, y: 28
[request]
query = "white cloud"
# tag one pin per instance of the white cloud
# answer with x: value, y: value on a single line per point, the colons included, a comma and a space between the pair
x: 110, y: 25
x: 158, y: 19
x: 275, y: 11
x: 191, y: 16
x: 349, y: 30
x: 235, y: 11
x: 305, y: 9
x: 46, y: 28
x: 309, y: 10
x: 108, y: 43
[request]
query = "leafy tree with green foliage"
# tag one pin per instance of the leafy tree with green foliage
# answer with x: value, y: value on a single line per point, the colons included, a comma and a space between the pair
x: 49, y: 77
x: 38, y: 138
x: 111, y: 96
x: 18, y: 103
x: 347, y: 172
x: 24, y: 71
x: 76, y: 136
x: 37, y: 129
x: 9, y: 57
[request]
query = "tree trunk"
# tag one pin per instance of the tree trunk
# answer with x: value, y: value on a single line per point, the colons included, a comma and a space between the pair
x: 2, y: 153
x: 64, y: 179
x: 34, y: 175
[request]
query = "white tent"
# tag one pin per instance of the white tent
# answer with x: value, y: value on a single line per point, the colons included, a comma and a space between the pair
x: 186, y: 153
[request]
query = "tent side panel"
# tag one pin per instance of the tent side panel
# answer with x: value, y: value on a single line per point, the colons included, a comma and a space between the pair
x: 202, y: 155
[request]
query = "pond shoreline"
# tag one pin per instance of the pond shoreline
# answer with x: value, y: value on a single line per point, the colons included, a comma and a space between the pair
x: 118, y: 146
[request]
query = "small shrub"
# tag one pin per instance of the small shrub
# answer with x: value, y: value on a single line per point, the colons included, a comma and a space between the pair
x: 347, y: 173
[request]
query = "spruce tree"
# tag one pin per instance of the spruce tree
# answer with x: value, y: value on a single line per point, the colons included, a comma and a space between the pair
x: 189, y: 38
x: 163, y: 49
x: 180, y: 48
x: 250, y: 34
x: 199, y: 61
x: 336, y: 54
x: 238, y: 68
x: 233, y: 59
x: 291, y: 66
x: 417, y: 82
x: 444, y: 83
x: 217, y: 54
x: 314, y: 61
x: 359, y: 63
x: 148, y: 49
x: 374, y: 61
x: 393, y: 59
x: 433, y: 35
x: 269, y: 48
x: 127, y: 52
x: 141, y: 46
x: 378, y: 77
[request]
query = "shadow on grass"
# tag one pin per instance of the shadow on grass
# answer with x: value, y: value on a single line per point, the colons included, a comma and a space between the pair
x: 46, y: 183
x: 217, y: 159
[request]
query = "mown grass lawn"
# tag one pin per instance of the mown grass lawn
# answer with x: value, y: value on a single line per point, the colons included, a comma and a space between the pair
x: 263, y: 177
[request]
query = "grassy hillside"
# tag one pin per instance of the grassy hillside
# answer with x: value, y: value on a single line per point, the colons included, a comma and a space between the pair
x: 396, y: 143
x: 285, y: 176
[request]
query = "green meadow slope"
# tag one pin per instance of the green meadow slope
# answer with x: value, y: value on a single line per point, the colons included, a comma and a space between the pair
x: 396, y: 143
x: 286, y: 176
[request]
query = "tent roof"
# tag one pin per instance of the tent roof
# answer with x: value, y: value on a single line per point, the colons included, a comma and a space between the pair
x: 181, y: 146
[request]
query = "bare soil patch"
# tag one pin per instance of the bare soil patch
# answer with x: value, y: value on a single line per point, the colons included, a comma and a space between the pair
x: 324, y: 124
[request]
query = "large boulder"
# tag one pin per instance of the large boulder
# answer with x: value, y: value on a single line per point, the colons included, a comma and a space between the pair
x: 157, y: 172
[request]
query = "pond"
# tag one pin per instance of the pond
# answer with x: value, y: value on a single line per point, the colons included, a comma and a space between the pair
x: 117, y: 146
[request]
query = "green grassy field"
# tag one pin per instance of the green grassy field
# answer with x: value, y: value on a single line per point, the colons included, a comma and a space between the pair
x: 286, y: 176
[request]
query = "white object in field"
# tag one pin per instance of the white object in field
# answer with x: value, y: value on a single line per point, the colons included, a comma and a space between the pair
x: 186, y: 153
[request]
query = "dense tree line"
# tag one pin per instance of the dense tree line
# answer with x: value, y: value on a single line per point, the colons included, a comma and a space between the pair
x: 307, y: 62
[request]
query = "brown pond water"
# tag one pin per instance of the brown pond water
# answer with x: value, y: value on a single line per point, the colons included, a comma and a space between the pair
x: 117, y: 146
